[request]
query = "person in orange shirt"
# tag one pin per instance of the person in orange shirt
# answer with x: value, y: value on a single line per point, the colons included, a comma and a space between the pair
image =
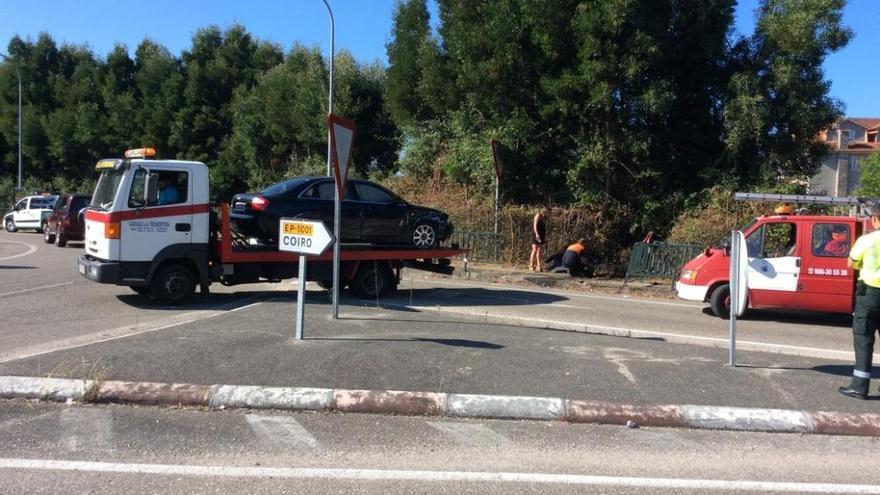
x: 572, y: 259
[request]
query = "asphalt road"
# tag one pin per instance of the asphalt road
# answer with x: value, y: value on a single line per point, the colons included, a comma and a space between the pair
x: 58, y: 449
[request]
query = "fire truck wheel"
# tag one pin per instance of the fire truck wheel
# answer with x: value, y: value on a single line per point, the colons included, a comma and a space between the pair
x: 48, y: 237
x: 173, y: 284
x: 372, y: 280
x: 720, y: 301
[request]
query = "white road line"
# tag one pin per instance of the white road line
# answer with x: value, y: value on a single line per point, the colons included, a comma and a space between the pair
x: 31, y: 249
x: 32, y: 289
x: 469, y: 433
x: 122, y: 332
x: 570, y: 294
x: 433, y: 476
x: 281, y: 430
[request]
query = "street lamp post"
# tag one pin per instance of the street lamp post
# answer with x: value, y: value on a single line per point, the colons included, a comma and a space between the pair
x: 337, y: 206
x: 18, y: 75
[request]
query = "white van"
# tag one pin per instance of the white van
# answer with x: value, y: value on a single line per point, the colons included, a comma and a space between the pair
x: 30, y: 212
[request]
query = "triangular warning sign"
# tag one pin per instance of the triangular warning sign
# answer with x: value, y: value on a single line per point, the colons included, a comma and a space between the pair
x: 341, y: 144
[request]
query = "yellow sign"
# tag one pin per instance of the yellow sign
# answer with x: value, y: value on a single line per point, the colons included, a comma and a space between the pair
x: 299, y: 229
x: 107, y: 163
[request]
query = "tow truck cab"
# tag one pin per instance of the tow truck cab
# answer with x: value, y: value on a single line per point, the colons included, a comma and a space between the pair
x: 795, y: 262
x: 131, y: 229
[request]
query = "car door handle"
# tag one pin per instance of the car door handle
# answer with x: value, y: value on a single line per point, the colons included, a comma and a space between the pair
x: 182, y: 227
x: 797, y: 262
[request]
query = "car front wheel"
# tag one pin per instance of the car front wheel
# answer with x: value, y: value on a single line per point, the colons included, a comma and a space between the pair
x: 10, y: 225
x: 424, y: 236
x: 48, y: 238
x: 60, y: 239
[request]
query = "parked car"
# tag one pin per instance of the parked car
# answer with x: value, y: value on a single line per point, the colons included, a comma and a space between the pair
x: 30, y: 212
x: 370, y: 213
x: 66, y: 222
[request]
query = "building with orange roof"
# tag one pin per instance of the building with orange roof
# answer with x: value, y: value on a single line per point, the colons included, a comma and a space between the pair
x: 851, y: 140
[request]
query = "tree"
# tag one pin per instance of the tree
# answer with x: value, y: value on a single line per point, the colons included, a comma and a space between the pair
x: 869, y: 176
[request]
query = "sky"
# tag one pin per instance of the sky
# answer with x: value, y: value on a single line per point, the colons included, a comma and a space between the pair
x: 362, y: 27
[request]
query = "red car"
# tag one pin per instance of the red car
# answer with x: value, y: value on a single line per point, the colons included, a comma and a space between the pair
x: 66, y: 223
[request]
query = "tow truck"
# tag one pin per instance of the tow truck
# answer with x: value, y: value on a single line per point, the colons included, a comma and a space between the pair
x: 796, y: 260
x: 165, y: 250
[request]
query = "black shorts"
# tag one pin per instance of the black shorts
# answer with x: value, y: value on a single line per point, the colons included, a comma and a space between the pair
x: 537, y: 242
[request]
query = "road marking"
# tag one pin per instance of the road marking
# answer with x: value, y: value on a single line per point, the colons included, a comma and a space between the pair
x: 281, y: 430
x: 125, y: 331
x: 469, y: 433
x: 570, y: 294
x: 31, y: 249
x: 615, y: 357
x: 83, y: 428
x: 435, y: 476
x: 32, y: 289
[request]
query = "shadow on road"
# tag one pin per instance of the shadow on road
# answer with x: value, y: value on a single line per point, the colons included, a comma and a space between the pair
x: 474, y: 296
x: 13, y: 267
x: 471, y: 344
x: 781, y: 316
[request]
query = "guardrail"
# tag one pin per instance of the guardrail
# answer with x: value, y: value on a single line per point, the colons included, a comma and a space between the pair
x: 482, y: 247
x: 659, y: 260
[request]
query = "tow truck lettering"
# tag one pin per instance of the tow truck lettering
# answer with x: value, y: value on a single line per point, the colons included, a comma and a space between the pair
x: 148, y: 226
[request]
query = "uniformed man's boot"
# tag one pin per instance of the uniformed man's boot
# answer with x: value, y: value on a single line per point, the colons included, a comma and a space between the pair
x: 857, y: 388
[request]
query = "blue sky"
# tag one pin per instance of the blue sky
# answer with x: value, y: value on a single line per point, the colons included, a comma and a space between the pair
x: 362, y: 27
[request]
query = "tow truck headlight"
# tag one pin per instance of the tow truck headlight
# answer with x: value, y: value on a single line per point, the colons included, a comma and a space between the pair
x: 689, y: 275
x: 111, y: 230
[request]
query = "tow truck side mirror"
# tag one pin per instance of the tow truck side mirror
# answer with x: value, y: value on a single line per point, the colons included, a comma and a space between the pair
x: 151, y: 188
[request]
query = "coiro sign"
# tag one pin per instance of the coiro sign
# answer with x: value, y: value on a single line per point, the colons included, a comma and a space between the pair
x: 303, y: 236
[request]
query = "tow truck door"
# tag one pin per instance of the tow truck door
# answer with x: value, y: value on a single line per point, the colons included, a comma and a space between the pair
x: 827, y: 284
x: 147, y: 229
x: 774, y: 264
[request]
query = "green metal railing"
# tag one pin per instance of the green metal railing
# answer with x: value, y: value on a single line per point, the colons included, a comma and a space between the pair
x: 659, y: 260
x: 483, y: 247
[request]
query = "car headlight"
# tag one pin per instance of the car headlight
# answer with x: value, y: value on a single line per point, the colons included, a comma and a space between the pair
x: 689, y: 275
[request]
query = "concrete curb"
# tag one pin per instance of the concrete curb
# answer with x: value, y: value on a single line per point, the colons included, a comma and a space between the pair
x: 441, y: 404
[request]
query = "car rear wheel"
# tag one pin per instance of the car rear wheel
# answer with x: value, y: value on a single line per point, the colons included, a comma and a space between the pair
x: 10, y: 225
x: 173, y: 284
x: 424, y: 236
x: 48, y: 237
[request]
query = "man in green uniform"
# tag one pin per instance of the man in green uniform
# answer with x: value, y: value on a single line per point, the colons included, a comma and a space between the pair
x: 865, y: 256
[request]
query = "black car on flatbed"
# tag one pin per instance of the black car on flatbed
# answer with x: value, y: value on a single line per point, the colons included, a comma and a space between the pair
x: 370, y: 213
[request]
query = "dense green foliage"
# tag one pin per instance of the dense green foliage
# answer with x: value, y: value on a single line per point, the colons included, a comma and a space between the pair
x: 627, y: 105
x: 253, y: 113
x: 869, y: 176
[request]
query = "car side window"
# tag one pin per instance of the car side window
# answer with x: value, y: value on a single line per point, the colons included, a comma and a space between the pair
x: 325, y: 190
x: 372, y: 194
x: 22, y: 204
x: 772, y: 240
x: 171, y: 188
x: 831, y: 240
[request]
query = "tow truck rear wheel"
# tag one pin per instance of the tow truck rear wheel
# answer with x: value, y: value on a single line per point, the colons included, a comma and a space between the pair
x: 372, y: 280
x: 173, y: 284
x: 720, y: 301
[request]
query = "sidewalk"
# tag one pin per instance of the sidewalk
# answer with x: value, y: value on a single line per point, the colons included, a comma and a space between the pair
x: 446, y: 366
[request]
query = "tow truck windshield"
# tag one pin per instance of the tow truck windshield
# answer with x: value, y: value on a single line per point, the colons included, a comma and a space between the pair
x: 105, y: 191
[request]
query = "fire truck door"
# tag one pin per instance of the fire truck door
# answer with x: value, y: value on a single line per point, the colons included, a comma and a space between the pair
x: 774, y: 265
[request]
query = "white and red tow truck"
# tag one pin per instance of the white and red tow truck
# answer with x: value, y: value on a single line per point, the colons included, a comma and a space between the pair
x: 165, y: 250
x: 795, y: 261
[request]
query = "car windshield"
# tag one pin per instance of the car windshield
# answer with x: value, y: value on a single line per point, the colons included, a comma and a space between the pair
x: 105, y: 191
x: 283, y: 187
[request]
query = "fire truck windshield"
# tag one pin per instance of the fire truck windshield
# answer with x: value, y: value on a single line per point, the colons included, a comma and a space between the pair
x: 105, y: 191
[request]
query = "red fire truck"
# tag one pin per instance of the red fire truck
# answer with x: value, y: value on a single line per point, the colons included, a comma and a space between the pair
x: 795, y: 261
x: 165, y: 250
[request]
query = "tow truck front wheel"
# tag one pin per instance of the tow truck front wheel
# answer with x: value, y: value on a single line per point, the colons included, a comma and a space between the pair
x: 173, y: 284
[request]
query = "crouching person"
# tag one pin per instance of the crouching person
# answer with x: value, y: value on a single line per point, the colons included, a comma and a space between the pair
x: 573, y: 258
